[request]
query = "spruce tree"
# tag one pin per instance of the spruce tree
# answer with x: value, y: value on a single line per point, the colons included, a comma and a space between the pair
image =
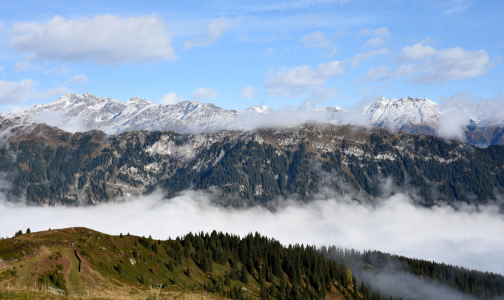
x: 243, y: 274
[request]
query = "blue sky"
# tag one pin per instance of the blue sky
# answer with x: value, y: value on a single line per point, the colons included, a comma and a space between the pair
x: 239, y: 53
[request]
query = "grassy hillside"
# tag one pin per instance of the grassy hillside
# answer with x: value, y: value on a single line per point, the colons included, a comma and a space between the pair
x: 82, y: 263
x: 86, y: 264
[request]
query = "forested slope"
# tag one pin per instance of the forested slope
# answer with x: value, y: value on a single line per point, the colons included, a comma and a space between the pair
x: 50, y: 166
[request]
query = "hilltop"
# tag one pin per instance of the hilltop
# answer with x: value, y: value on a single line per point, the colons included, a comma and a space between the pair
x: 86, y: 264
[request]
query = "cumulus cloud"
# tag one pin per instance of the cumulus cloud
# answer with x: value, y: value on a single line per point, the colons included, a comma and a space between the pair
x: 15, y: 92
x: 298, y: 81
x: 204, y: 93
x: 214, y: 30
x: 452, y: 64
x: 248, y: 92
x: 105, y: 39
x: 416, y: 52
x: 468, y: 237
x: 429, y: 65
x: 318, y: 39
x: 170, y: 98
x: 379, y: 36
x: 77, y: 79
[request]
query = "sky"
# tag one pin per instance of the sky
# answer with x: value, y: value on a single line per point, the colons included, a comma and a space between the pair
x: 240, y: 53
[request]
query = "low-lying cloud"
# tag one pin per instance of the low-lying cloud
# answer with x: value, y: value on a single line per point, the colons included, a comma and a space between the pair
x: 466, y: 237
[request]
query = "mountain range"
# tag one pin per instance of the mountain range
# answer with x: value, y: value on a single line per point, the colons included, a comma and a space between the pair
x: 479, y: 124
x: 45, y: 165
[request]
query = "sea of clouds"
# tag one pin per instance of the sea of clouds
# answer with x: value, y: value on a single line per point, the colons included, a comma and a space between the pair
x: 467, y: 236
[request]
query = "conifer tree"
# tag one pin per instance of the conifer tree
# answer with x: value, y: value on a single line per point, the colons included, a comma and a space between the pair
x: 243, y: 274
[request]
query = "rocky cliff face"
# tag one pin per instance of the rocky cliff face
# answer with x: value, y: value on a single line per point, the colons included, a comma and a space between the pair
x: 45, y: 165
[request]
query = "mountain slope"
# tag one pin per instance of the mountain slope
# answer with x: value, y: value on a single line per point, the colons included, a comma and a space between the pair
x: 50, y: 166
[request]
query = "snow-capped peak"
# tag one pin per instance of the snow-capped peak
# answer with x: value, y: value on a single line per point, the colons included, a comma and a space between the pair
x: 259, y: 108
x: 395, y: 113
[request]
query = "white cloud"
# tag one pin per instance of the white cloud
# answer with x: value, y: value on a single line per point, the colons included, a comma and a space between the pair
x: 318, y: 39
x: 298, y: 81
x: 204, y: 93
x: 416, y: 52
x: 376, y: 41
x: 22, y: 66
x: 77, y: 79
x: 453, y: 64
x: 214, y: 30
x: 268, y: 52
x: 1, y: 68
x: 379, y: 35
x: 373, y: 74
x: 435, y: 66
x: 105, y: 39
x: 170, y: 98
x: 15, y: 92
x: 360, y: 57
x: 468, y: 237
x: 248, y: 92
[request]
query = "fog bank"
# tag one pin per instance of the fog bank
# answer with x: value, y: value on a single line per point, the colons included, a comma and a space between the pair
x: 469, y: 238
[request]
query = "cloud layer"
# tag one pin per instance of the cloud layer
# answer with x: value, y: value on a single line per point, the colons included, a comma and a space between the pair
x: 467, y: 237
x: 105, y: 39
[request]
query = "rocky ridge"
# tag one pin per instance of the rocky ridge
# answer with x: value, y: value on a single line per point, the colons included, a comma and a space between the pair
x: 477, y: 123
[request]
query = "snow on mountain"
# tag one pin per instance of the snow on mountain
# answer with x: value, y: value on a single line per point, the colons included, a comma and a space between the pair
x: 396, y: 114
x: 74, y: 112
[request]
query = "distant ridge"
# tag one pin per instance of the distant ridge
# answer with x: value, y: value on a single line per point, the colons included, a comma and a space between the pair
x: 478, y: 124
